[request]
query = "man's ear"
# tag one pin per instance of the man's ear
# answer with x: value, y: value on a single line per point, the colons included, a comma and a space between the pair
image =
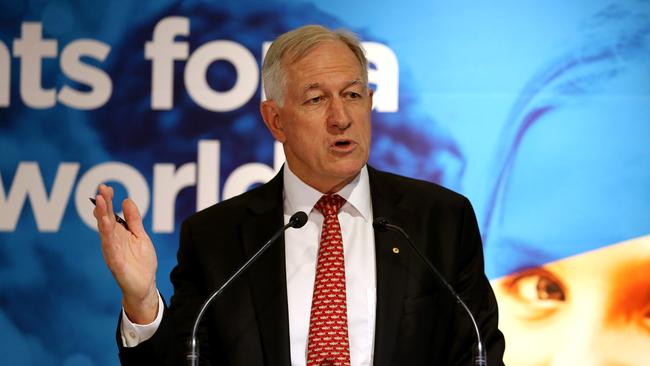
x: 271, y: 115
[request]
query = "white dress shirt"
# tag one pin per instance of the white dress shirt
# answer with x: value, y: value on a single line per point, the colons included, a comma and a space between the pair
x: 301, y: 251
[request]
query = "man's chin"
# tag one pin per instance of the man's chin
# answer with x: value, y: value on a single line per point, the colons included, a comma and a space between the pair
x: 348, y: 169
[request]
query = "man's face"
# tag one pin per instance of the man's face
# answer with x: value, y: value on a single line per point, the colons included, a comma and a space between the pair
x: 324, y: 123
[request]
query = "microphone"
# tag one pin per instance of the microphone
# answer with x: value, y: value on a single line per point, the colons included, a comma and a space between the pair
x: 382, y: 224
x: 297, y: 220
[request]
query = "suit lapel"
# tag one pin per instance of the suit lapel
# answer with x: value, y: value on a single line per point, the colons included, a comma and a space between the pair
x: 267, y: 278
x: 391, y: 268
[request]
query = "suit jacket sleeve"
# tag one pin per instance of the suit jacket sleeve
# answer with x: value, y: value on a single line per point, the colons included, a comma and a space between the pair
x: 248, y: 325
x: 169, y: 344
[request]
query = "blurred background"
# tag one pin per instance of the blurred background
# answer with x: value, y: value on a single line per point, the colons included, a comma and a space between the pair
x: 538, y: 111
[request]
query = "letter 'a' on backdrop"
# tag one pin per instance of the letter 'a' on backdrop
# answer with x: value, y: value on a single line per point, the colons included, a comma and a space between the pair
x: 537, y: 111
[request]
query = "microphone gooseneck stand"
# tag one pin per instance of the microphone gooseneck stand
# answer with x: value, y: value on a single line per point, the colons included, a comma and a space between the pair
x: 297, y: 220
x: 382, y: 224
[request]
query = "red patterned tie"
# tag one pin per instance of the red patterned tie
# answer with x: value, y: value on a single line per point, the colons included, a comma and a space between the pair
x: 328, y: 325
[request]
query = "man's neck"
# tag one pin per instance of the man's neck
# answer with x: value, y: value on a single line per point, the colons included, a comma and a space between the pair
x: 325, y: 187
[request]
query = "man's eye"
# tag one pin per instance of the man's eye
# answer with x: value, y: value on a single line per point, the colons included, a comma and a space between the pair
x: 315, y: 100
x: 354, y: 95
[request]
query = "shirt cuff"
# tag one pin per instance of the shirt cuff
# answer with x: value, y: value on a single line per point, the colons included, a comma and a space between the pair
x: 134, y: 334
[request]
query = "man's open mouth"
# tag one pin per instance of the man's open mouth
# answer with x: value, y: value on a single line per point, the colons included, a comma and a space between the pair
x: 342, y: 143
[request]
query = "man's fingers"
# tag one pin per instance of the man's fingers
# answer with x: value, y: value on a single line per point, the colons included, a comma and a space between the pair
x: 99, y: 207
x: 101, y: 212
x: 104, y: 211
x: 132, y: 217
x: 107, y: 193
x: 105, y: 225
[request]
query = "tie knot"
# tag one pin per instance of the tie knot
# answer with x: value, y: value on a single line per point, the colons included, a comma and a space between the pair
x: 330, y: 204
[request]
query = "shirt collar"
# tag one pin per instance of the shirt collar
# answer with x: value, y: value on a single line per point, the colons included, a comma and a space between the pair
x: 298, y: 196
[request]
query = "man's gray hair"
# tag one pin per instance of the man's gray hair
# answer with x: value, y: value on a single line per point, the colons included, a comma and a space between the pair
x: 290, y: 47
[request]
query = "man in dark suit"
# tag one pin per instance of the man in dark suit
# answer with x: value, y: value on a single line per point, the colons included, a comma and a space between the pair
x: 394, y: 312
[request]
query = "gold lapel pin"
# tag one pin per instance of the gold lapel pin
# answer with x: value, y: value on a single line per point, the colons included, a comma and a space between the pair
x: 396, y: 250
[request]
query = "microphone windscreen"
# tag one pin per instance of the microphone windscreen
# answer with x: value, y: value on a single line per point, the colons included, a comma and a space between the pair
x: 298, y: 220
x: 380, y: 223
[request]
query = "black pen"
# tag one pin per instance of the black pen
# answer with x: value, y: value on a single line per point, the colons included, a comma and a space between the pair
x: 117, y: 218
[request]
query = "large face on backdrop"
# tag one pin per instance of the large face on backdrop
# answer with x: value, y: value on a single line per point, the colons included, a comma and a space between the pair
x: 580, y: 315
x: 591, y: 307
x: 324, y: 120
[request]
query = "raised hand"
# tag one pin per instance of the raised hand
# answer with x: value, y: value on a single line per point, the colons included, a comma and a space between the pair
x: 130, y: 256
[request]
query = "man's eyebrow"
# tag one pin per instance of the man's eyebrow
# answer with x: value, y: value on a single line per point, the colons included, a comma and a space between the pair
x: 352, y: 82
x: 311, y: 87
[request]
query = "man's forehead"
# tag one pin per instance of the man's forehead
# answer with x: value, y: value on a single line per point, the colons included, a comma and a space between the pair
x: 297, y: 54
x: 323, y: 54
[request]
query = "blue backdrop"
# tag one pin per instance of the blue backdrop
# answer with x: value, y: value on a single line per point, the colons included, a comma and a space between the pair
x: 537, y: 111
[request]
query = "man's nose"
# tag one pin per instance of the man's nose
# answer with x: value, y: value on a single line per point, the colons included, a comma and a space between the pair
x: 338, y: 115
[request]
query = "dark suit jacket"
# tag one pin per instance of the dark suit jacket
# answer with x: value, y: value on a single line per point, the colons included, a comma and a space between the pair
x: 418, y: 322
